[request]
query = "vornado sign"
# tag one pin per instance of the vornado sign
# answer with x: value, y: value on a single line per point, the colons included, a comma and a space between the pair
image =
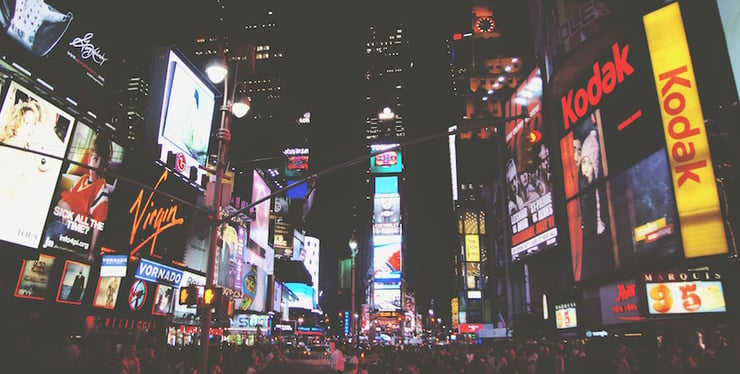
x: 697, y: 201
x: 576, y: 104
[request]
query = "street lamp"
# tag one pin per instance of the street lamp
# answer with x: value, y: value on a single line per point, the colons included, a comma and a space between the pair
x: 353, y: 247
x: 232, y: 106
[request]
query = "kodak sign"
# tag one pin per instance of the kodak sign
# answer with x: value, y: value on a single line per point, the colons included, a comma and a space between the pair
x: 576, y: 103
x: 697, y: 201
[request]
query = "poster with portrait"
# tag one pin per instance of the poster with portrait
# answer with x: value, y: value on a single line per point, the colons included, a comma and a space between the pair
x: 107, y: 292
x: 80, y: 205
x: 33, y: 138
x: 163, y: 300
x: 527, y: 171
x: 74, y: 282
x: 33, y: 279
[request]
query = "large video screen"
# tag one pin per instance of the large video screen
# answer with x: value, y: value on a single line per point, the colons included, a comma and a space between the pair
x: 80, y: 205
x: 187, y: 115
x: 33, y: 139
x: 385, y: 162
x: 300, y: 295
x: 387, y: 296
x: 528, y: 175
x: 387, y: 214
x: 387, y: 258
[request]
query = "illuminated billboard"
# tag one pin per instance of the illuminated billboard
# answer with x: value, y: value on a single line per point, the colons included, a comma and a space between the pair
x: 385, y: 162
x: 620, y: 302
x: 33, y: 280
x: 620, y: 206
x: 387, y: 214
x: 259, y: 227
x: 254, y: 290
x: 688, y: 292
x: 180, y: 113
x: 73, y: 284
x: 702, y: 226
x: 80, y: 205
x: 106, y: 294
x: 229, y: 265
x: 527, y: 171
x: 566, y: 316
x: 300, y: 295
x: 387, y: 258
x: 387, y: 296
x: 33, y: 139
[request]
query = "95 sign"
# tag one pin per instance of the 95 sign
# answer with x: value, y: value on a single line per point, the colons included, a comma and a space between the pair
x: 685, y: 297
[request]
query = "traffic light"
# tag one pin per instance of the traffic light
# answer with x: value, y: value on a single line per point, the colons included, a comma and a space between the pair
x: 189, y: 295
x: 212, y: 296
x: 226, y: 308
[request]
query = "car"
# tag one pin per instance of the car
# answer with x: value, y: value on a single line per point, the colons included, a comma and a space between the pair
x: 320, y: 351
x: 299, y: 352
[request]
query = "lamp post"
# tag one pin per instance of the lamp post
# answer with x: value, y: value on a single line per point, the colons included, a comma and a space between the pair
x: 218, y: 72
x: 353, y: 247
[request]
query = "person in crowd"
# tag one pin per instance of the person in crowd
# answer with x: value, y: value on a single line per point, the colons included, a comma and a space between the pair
x: 336, y: 362
x: 130, y: 363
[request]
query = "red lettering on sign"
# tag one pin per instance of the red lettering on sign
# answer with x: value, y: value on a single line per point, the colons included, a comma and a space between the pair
x: 602, y: 82
x: 148, y: 216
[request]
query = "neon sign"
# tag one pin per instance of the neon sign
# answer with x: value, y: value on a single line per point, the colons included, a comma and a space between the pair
x: 151, y: 219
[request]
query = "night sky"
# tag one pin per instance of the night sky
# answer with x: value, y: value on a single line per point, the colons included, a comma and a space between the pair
x: 327, y: 47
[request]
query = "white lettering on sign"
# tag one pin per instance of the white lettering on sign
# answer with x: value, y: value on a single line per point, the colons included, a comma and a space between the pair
x: 88, y: 50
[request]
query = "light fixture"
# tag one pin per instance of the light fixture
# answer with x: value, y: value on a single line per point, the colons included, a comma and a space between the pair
x: 217, y: 69
x: 241, y: 106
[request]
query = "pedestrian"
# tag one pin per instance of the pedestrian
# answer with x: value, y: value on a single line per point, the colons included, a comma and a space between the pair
x: 336, y: 362
x: 130, y: 363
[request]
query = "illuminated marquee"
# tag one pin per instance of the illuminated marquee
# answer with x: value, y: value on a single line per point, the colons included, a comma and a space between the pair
x: 697, y: 201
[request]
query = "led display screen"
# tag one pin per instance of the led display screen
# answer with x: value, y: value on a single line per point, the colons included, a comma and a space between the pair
x: 188, y: 106
x: 385, y: 162
x: 299, y: 295
x: 386, y: 185
x: 33, y: 280
x: 29, y: 124
x: 80, y: 205
x: 528, y: 175
x: 74, y: 281
x: 387, y: 214
x: 387, y: 258
x: 387, y: 296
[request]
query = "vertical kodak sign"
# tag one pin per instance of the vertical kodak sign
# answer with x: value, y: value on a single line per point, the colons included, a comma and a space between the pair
x: 702, y: 228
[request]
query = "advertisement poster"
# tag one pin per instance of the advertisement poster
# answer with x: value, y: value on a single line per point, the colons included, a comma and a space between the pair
x: 80, y: 205
x: 107, y: 292
x: 74, y: 282
x: 33, y: 139
x: 33, y: 280
x: 163, y: 300
x: 259, y: 229
x: 228, y: 258
x: 620, y: 205
x: 387, y: 296
x: 528, y: 175
x: 254, y: 290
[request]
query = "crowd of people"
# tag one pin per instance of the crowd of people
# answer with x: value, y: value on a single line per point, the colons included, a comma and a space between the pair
x: 697, y: 351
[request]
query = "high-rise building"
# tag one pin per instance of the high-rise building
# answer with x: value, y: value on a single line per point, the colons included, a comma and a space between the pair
x: 387, y: 63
